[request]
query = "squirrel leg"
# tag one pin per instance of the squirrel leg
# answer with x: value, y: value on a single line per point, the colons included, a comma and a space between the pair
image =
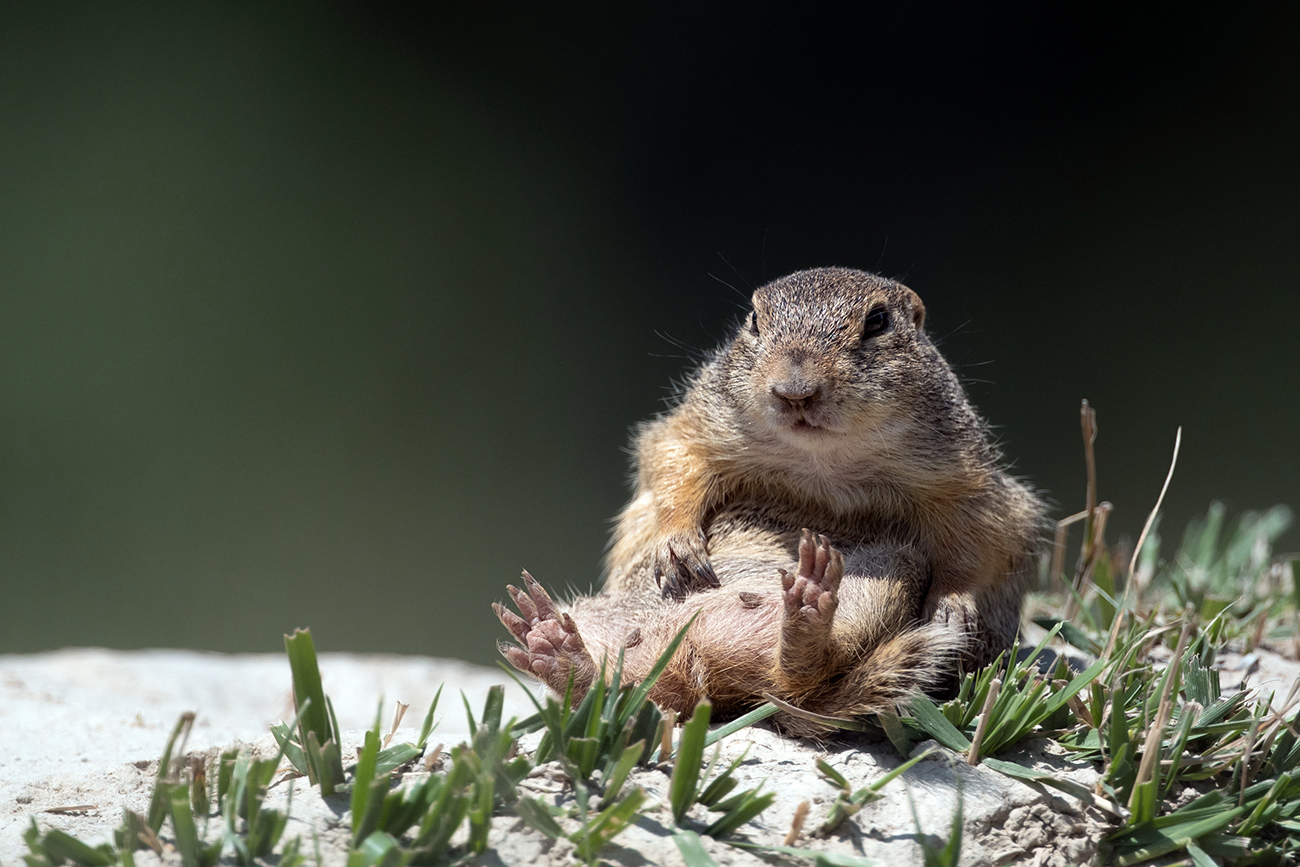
x: 550, y: 647
x: 684, y: 485
x: 810, y: 600
x: 876, y: 650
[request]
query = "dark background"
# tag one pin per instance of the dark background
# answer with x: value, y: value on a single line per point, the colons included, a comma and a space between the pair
x: 338, y: 318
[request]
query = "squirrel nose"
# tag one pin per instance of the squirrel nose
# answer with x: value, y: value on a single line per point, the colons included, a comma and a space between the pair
x: 798, y: 393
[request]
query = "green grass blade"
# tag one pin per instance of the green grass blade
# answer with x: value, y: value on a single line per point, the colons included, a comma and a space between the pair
x: 1071, y: 634
x: 896, y: 732
x: 538, y: 817
x: 743, y: 722
x: 936, y: 725
x: 750, y: 804
x: 470, y: 723
x: 1143, y: 802
x: 307, y: 685
x: 692, y: 849
x: 492, y: 707
x: 377, y: 850
x: 879, y: 784
x: 686, y: 767
x: 1078, y: 790
x: 1137, y: 843
x: 362, y: 777
x: 833, y: 775
x: 609, y: 824
x: 61, y: 846
x: 427, y: 727
x: 618, y: 775
x: 643, y: 689
x: 1075, y: 686
x: 158, y: 800
x: 187, y: 835
x: 723, y: 783
x: 392, y: 758
x: 292, y: 751
x: 820, y: 859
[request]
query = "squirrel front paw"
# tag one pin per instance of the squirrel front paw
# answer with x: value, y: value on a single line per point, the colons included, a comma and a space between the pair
x: 550, y: 647
x: 680, y: 564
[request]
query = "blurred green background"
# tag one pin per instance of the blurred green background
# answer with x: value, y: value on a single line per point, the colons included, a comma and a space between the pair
x: 339, y: 317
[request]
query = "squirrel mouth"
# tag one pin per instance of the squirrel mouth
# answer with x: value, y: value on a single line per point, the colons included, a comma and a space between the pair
x: 805, y: 427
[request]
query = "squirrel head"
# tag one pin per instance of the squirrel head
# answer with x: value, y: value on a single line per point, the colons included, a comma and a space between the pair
x: 831, y: 358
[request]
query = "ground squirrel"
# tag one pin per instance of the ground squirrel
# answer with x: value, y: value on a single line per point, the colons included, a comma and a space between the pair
x: 829, y: 409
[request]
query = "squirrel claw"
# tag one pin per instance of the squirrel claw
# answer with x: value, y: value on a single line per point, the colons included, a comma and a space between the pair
x: 681, y: 566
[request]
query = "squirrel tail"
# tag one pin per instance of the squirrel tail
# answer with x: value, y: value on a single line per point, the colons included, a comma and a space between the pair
x: 922, y: 659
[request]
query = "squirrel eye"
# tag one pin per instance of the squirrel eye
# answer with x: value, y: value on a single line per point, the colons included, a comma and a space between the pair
x: 877, y: 321
x: 751, y: 322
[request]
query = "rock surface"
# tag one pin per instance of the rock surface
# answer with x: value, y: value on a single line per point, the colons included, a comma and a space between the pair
x: 84, y: 728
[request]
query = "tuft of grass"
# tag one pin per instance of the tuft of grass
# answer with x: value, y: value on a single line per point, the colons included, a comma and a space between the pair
x: 1003, y: 704
x: 318, y: 730
x: 612, y: 730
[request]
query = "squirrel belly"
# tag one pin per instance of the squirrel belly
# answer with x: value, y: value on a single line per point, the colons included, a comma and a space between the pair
x: 828, y: 410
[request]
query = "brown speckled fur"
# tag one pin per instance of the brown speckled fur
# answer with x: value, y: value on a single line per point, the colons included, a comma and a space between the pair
x: 811, y: 416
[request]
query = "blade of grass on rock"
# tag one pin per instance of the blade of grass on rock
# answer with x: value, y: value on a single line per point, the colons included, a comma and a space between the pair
x: 692, y: 849
x: 187, y: 835
x: 284, y: 735
x: 1071, y: 634
x: 879, y: 784
x: 627, y: 760
x: 756, y: 715
x: 690, y: 754
x: 1070, y: 787
x: 391, y: 758
x: 609, y: 823
x: 895, y: 731
x: 158, y: 801
x: 538, y: 817
x: 1139, y: 843
x: 833, y: 775
x: 62, y: 846
x: 738, y: 810
x: 377, y: 849
x: 830, y: 859
x: 363, y: 822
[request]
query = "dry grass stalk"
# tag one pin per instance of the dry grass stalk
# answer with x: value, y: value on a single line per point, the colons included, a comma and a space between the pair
x: 973, y: 756
x: 398, y: 713
x: 796, y: 824
x: 666, y: 734
x: 1137, y: 549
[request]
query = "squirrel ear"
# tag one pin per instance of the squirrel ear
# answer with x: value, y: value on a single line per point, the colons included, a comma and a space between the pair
x: 918, y: 309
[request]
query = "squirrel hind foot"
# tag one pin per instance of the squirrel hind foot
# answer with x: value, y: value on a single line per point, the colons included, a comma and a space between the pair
x: 550, y: 647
